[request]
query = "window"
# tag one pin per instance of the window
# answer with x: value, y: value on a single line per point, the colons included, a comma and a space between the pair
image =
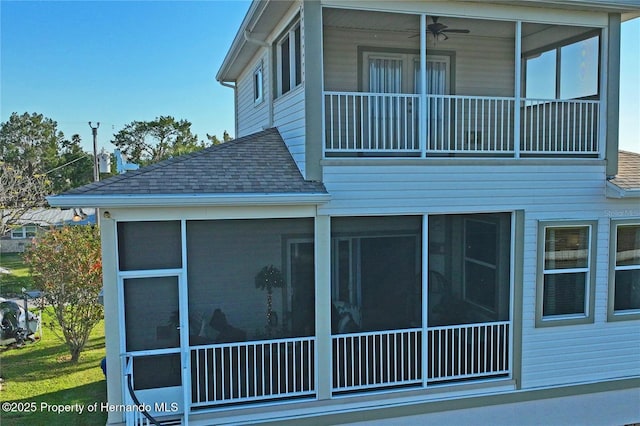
x: 289, y: 57
x: 24, y: 232
x: 624, y: 273
x: 257, y: 85
x: 568, y: 71
x: 565, y: 274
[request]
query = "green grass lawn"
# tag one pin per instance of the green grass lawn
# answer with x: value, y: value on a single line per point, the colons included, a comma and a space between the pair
x: 41, y: 372
x: 11, y: 284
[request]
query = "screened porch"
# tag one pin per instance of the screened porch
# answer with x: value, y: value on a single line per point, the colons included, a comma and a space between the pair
x: 489, y: 88
x: 220, y: 313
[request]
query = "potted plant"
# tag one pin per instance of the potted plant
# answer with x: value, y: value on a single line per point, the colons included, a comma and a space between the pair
x: 267, y: 279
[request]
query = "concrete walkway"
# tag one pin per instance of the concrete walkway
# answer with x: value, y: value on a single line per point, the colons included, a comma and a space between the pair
x: 615, y: 408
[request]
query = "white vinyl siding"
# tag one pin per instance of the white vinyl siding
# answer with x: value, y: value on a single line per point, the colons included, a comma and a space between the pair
x: 289, y: 118
x: 253, y: 116
x: 547, y: 191
x: 484, y: 67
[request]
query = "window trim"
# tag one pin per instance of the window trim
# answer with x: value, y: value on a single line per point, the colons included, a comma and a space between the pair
x: 590, y: 291
x: 295, y: 58
x: 612, y: 315
x: 258, y: 84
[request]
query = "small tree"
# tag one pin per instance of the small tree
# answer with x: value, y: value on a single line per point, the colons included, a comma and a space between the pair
x: 67, y: 267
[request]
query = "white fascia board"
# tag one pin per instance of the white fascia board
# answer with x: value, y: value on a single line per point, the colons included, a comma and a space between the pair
x: 181, y: 200
x: 255, y: 10
x: 614, y: 191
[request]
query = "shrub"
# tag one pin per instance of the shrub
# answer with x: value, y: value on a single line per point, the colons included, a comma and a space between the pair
x: 67, y: 267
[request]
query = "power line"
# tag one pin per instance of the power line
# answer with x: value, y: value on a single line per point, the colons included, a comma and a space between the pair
x: 86, y: 154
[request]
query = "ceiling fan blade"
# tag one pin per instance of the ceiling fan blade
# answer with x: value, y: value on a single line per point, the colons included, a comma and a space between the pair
x: 456, y: 31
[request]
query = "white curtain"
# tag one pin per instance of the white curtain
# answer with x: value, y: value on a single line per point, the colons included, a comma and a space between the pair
x: 385, y: 75
x: 436, y: 77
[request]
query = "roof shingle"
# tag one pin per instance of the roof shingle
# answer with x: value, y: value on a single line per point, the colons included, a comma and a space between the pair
x: 628, y: 176
x: 255, y: 164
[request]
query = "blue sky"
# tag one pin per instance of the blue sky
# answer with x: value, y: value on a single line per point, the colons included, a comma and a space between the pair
x: 119, y: 61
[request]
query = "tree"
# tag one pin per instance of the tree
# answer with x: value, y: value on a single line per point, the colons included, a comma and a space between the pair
x: 31, y: 140
x: 67, y: 267
x: 215, y: 141
x: 33, y: 143
x: 146, y: 142
x: 20, y: 191
x: 75, y: 166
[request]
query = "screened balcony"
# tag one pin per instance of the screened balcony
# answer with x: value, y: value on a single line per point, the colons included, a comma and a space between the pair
x: 473, y: 97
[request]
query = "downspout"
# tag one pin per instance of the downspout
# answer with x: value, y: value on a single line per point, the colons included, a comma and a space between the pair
x: 269, y: 100
x: 235, y: 105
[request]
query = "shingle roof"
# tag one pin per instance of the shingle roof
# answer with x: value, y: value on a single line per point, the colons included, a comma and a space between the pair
x: 255, y: 164
x: 628, y: 176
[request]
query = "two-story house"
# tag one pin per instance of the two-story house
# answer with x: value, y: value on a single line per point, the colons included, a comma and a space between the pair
x: 424, y: 211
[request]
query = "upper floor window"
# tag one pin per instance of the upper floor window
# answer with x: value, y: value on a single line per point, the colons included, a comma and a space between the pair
x: 289, y: 59
x: 24, y: 232
x: 624, y: 275
x: 566, y: 71
x: 258, y: 90
x: 566, y: 274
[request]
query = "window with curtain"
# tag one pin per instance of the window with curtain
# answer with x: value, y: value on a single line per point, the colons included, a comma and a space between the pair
x: 566, y: 265
x: 437, y: 75
x: 385, y: 75
x: 627, y: 269
x: 566, y: 275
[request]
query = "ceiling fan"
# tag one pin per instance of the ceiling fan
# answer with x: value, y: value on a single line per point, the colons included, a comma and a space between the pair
x: 439, y: 30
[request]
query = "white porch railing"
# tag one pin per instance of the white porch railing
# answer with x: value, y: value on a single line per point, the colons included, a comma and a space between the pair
x: 389, y: 124
x: 377, y: 359
x: 468, y: 351
x: 371, y: 122
x: 252, y: 371
x: 559, y: 126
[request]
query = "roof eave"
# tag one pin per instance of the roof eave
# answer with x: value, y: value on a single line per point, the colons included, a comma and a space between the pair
x: 614, y: 191
x: 255, y: 11
x: 182, y: 200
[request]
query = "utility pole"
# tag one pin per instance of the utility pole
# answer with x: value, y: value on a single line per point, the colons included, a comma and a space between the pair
x: 94, y: 131
x: 96, y: 170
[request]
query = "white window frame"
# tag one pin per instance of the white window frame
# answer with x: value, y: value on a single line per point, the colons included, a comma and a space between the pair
x: 590, y: 271
x: 295, y: 56
x: 258, y: 85
x: 612, y: 314
x: 24, y: 232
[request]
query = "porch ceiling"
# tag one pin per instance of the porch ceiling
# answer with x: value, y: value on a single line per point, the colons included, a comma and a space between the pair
x: 410, y: 23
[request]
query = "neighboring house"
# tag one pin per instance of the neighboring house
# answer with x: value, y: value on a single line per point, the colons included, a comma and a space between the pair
x: 411, y: 220
x: 38, y: 220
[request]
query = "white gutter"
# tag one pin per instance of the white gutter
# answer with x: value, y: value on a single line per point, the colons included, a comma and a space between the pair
x: 182, y: 200
x: 614, y: 191
x: 253, y: 40
x: 253, y: 14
